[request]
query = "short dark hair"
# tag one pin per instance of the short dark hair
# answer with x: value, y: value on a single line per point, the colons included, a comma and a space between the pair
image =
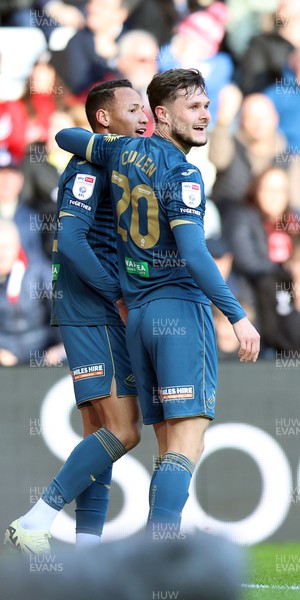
x: 101, y: 96
x: 165, y: 86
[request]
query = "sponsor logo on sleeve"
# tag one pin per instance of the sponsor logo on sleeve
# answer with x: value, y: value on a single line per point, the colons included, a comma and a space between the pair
x: 191, y: 194
x: 83, y: 186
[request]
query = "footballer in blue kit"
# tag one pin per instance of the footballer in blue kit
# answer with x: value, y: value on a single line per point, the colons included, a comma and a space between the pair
x: 155, y: 192
x: 87, y: 305
x: 168, y: 278
x: 151, y: 269
x: 90, y: 325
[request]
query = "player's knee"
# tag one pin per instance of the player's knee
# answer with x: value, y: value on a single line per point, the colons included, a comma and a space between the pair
x: 129, y: 436
x: 132, y: 437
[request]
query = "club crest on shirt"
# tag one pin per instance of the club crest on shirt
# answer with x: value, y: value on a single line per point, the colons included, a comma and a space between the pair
x: 83, y: 186
x: 191, y: 194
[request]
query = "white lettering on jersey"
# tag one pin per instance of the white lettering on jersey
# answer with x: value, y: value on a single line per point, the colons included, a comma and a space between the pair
x: 191, y: 194
x: 83, y: 186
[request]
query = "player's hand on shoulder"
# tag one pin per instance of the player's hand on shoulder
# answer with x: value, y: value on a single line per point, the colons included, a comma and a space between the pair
x: 249, y: 339
x: 123, y: 310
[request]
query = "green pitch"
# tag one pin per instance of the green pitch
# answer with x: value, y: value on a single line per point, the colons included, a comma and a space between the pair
x: 274, y: 572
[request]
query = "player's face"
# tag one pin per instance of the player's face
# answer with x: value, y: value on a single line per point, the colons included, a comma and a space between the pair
x: 189, y: 118
x: 126, y: 115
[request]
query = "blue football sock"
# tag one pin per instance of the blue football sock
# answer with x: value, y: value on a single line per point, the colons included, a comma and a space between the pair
x: 157, y: 464
x: 92, y: 505
x: 170, y: 491
x: 89, y: 459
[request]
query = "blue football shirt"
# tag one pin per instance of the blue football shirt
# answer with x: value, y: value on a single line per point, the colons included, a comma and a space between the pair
x: 84, y: 193
x: 155, y: 191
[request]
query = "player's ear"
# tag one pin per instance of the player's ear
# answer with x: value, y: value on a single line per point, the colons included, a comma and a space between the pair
x: 102, y: 117
x: 162, y: 114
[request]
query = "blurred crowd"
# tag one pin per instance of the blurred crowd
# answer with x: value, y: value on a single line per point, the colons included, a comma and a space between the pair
x: 53, y: 52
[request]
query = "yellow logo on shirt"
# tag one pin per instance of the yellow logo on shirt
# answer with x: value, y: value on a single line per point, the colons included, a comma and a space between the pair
x: 111, y: 137
x: 188, y: 172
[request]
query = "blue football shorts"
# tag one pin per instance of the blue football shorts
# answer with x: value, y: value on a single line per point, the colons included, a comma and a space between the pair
x: 173, y: 352
x: 96, y: 355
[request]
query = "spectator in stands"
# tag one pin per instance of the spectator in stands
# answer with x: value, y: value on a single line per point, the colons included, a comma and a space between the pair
x: 25, y: 120
x: 25, y: 293
x: 42, y: 168
x: 12, y: 207
x: 243, y: 150
x: 154, y: 16
x: 259, y: 233
x: 40, y: 99
x: 138, y: 61
x: 267, y: 52
x: 90, y: 54
x: 12, y: 129
x: 196, y: 43
x: 285, y: 95
x: 278, y: 298
x: 26, y: 132
x: 51, y: 14
x: 248, y: 19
